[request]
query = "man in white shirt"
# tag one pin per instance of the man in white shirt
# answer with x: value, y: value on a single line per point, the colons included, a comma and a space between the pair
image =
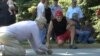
x: 24, y: 30
x: 41, y: 8
x: 74, y: 9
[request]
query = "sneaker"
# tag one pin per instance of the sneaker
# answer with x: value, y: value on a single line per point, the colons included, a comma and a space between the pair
x: 40, y: 53
x: 73, y: 47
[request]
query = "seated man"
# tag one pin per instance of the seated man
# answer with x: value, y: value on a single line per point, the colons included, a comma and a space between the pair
x: 85, y: 33
x: 24, y: 30
x: 63, y: 29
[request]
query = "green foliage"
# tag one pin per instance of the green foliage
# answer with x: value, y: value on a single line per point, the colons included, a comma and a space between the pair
x: 23, y: 6
x: 97, y: 26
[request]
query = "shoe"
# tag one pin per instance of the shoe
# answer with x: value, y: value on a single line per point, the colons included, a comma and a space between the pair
x: 73, y: 47
x: 49, y: 52
x: 40, y: 53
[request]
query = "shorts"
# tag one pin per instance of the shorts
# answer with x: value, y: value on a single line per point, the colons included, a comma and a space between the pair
x: 65, y: 36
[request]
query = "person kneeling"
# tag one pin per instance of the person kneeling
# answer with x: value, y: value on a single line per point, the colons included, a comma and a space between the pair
x: 64, y: 29
x: 20, y: 31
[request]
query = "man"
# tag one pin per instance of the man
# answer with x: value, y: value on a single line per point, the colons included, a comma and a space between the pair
x: 85, y: 33
x: 41, y: 8
x: 41, y: 12
x: 74, y: 9
x: 63, y: 29
x: 55, y: 7
x: 5, y: 16
x: 74, y: 13
x: 24, y: 30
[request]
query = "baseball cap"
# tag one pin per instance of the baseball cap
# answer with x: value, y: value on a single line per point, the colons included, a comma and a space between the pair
x: 58, y: 13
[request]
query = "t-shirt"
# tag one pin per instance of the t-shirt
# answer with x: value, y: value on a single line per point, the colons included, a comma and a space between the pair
x: 59, y: 27
x: 72, y: 10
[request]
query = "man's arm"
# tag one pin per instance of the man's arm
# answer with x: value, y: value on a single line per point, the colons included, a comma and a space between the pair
x: 35, y: 40
x: 70, y: 23
x: 50, y: 27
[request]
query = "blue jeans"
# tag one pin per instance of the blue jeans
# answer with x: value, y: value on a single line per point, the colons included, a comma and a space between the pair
x: 43, y: 35
x: 83, y: 36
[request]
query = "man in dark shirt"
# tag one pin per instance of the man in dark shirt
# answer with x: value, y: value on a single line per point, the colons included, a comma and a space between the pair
x: 48, y: 12
x: 64, y: 29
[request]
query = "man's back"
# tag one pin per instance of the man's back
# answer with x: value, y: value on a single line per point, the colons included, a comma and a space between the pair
x: 22, y: 29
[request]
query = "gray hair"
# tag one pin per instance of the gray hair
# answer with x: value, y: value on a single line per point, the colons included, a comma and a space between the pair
x: 41, y: 19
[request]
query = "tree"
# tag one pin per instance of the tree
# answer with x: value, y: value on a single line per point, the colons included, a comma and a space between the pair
x: 23, y: 6
x: 89, y: 9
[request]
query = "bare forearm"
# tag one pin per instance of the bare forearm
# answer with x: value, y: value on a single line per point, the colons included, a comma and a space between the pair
x: 48, y: 38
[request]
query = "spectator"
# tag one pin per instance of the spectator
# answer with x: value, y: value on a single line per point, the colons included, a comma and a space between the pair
x: 48, y: 12
x: 63, y: 29
x: 41, y: 8
x: 4, y: 13
x: 74, y: 9
x: 24, y: 30
x: 5, y: 17
x: 11, y: 7
x: 13, y: 11
x: 74, y: 13
x: 86, y: 33
x: 55, y: 7
x: 41, y: 12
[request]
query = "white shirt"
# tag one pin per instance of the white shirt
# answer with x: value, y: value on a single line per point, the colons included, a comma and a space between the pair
x: 22, y: 30
x: 71, y: 10
x: 40, y: 9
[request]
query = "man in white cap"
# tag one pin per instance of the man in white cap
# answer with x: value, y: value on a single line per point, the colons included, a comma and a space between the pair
x: 24, y: 30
